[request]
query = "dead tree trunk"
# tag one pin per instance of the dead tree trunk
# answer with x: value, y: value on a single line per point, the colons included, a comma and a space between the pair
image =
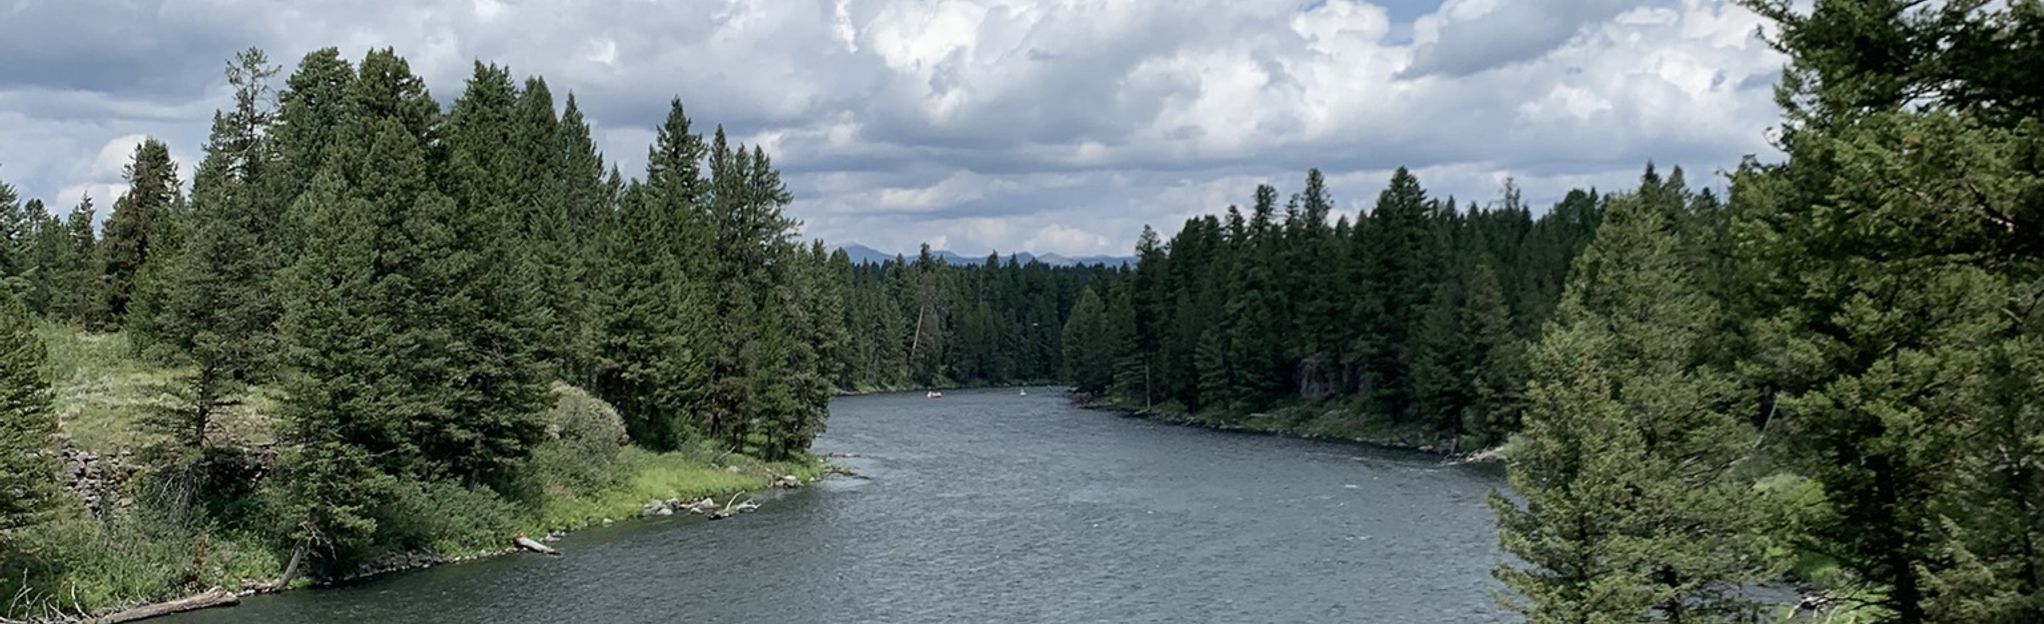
x: 215, y: 598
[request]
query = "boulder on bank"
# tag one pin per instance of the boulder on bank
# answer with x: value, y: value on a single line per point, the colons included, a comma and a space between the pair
x: 656, y: 507
x: 787, y: 482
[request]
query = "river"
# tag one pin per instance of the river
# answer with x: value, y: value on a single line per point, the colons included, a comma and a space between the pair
x: 987, y: 506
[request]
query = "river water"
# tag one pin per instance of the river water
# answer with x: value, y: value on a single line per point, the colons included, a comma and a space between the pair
x: 988, y: 506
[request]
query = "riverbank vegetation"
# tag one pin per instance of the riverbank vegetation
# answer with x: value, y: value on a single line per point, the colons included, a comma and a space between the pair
x: 375, y: 329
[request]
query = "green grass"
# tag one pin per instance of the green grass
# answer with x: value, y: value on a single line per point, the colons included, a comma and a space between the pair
x: 113, y: 563
x: 688, y: 475
x: 103, y: 393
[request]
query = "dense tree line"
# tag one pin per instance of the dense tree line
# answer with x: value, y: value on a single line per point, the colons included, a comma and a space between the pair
x: 923, y: 322
x: 1414, y: 314
x: 412, y: 279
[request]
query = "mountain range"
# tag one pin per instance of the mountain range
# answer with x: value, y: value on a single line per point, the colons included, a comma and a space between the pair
x: 862, y: 254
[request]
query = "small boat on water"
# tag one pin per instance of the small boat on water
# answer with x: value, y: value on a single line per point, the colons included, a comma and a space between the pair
x: 935, y: 394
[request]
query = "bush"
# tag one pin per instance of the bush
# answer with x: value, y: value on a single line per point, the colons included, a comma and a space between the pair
x: 444, y: 518
x: 580, y: 417
x: 581, y: 450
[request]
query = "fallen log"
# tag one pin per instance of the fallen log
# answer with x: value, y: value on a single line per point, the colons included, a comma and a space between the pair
x: 215, y: 597
x: 527, y: 543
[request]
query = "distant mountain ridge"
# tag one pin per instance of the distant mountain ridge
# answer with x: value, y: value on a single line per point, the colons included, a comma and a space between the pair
x: 862, y: 254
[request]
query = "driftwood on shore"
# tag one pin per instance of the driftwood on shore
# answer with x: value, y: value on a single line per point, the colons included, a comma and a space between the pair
x: 290, y: 571
x: 214, y: 598
x: 731, y: 508
x: 528, y: 543
x: 1485, y: 456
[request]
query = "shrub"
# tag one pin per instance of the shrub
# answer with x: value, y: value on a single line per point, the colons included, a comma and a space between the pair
x: 444, y: 518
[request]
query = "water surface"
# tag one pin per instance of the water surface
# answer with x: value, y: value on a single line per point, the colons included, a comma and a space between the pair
x: 992, y: 507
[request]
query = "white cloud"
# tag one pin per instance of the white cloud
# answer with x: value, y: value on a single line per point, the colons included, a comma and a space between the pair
x: 1070, y: 241
x: 115, y: 155
x: 487, y: 10
x: 983, y: 124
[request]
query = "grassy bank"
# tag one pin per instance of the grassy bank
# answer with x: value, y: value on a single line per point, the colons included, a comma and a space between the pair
x: 138, y: 545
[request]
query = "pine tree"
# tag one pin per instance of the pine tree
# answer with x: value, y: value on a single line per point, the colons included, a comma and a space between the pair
x: 46, y: 291
x: 1496, y: 374
x: 1129, y: 368
x: 310, y: 110
x: 585, y: 204
x: 548, y: 246
x: 27, y: 424
x: 348, y: 386
x: 16, y: 229
x: 1396, y: 276
x: 1627, y: 513
x: 1087, y: 364
x: 141, y: 219
x: 1314, y: 279
x: 81, y: 276
x: 215, y: 308
x: 1543, y: 257
x: 1440, y: 365
x: 817, y: 302
x: 1216, y: 375
x: 650, y: 361
x: 469, y: 300
x: 1256, y: 335
x: 1891, y: 266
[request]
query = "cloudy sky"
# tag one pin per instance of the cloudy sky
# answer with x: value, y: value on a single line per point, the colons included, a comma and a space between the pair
x: 1042, y: 125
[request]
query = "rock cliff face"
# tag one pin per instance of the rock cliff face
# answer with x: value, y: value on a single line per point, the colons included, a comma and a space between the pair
x: 100, y: 480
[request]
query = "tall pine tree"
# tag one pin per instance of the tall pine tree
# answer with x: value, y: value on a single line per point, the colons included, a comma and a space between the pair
x: 1627, y: 512
x: 141, y: 220
x: 27, y: 424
